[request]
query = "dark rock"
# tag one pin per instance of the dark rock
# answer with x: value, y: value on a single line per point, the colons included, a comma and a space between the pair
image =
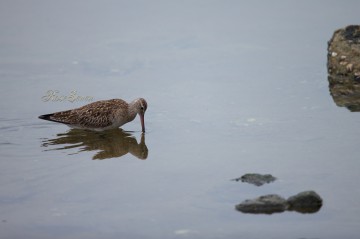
x: 256, y: 179
x: 357, y: 79
x: 352, y: 33
x: 344, y: 67
x: 305, y: 202
x: 267, y: 204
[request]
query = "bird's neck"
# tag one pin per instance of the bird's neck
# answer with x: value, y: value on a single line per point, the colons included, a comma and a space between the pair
x: 132, y: 112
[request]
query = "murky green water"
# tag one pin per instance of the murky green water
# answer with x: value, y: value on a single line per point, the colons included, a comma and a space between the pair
x: 233, y: 87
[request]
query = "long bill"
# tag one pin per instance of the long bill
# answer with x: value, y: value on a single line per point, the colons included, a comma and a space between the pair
x: 142, y: 122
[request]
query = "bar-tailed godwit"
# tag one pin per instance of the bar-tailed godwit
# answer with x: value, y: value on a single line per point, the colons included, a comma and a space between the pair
x: 101, y: 115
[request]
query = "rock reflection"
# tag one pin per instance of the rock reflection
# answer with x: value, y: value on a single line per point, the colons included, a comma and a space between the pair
x: 109, y: 144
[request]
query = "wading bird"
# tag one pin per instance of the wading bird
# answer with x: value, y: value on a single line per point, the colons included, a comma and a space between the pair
x: 101, y: 115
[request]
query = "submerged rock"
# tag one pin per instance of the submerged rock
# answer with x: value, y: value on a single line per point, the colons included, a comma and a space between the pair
x: 256, y: 179
x: 344, y: 67
x: 267, y: 204
x: 305, y: 202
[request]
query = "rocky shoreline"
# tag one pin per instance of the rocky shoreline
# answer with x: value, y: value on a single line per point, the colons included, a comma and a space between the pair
x: 343, y: 65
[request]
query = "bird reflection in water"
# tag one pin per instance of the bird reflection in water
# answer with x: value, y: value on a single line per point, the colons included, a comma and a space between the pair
x: 109, y: 144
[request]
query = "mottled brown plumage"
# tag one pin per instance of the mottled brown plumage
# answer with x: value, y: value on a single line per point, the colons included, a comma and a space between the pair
x: 101, y: 115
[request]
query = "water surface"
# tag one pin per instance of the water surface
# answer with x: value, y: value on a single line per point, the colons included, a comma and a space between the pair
x: 233, y: 87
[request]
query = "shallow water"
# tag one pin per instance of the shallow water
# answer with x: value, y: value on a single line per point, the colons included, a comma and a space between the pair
x: 232, y: 87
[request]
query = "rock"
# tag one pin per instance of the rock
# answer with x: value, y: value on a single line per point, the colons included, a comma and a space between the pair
x: 256, y: 179
x: 267, y: 204
x: 305, y: 202
x: 344, y: 66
